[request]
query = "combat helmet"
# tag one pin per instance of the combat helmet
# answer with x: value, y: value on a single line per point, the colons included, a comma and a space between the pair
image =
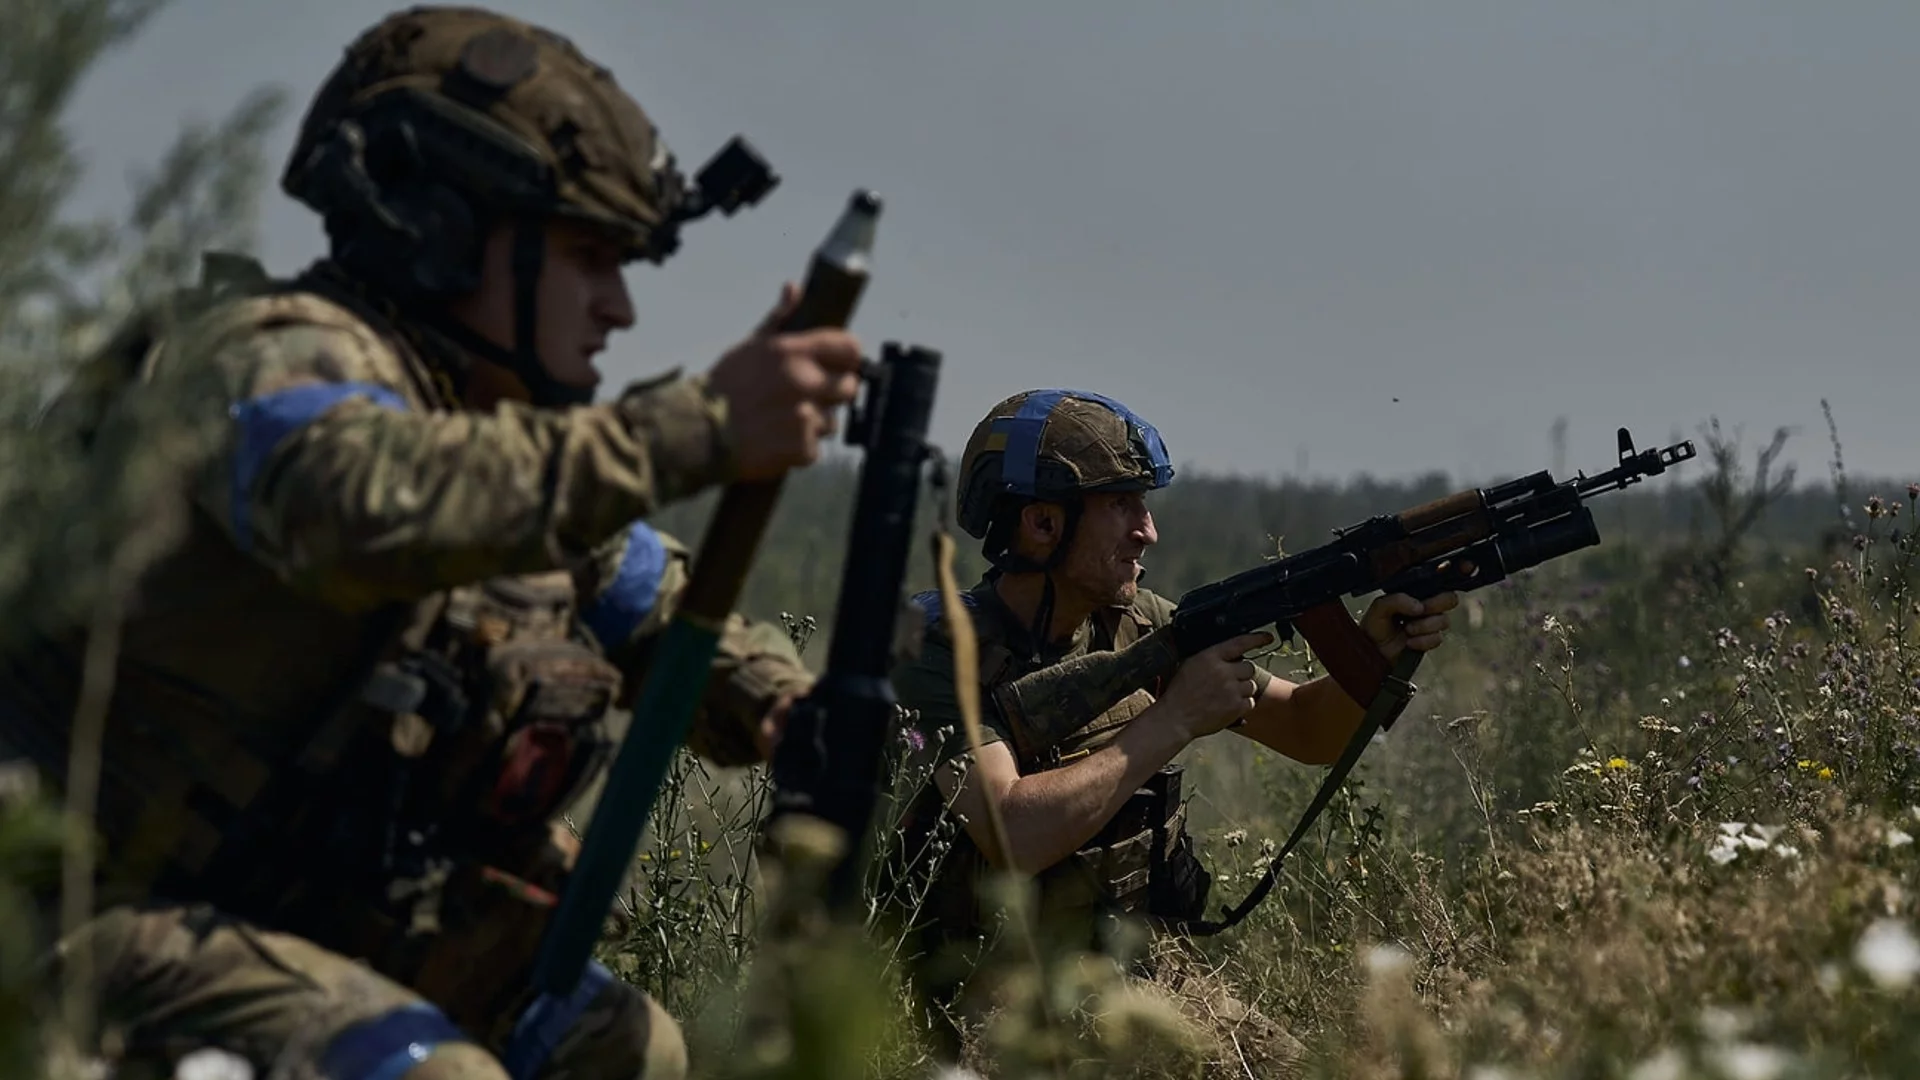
x: 1053, y: 445
x: 443, y: 120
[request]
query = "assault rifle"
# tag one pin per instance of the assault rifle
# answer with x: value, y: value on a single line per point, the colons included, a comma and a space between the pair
x: 1465, y: 541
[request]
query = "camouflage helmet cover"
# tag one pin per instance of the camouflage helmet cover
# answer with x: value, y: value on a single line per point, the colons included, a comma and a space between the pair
x: 527, y: 122
x: 1054, y: 445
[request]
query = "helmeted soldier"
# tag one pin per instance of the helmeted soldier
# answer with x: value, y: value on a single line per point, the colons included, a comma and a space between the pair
x: 1054, y: 483
x: 409, y: 593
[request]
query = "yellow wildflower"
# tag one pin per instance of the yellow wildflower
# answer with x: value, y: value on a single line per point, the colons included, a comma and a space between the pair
x: 1825, y: 773
x: 1617, y: 763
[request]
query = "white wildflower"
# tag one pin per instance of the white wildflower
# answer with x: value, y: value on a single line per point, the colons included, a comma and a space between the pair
x: 1668, y: 1064
x: 1388, y: 960
x: 1829, y: 977
x: 1750, y: 1061
x: 1737, y: 836
x: 1722, y: 1024
x: 213, y: 1063
x: 1896, y: 838
x: 1888, y: 953
x: 1686, y: 662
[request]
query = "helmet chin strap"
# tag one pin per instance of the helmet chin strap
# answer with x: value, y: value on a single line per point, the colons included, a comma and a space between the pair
x: 523, y: 360
x: 1006, y: 561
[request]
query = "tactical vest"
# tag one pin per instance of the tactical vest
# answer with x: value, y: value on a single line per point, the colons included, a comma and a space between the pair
x: 1141, y: 861
x: 411, y: 820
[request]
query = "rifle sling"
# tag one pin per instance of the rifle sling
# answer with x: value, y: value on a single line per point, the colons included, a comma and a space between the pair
x: 1384, y: 706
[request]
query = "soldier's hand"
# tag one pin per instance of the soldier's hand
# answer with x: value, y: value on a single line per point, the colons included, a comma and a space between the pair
x: 1399, y: 622
x: 1214, y: 687
x: 766, y: 734
x: 782, y: 389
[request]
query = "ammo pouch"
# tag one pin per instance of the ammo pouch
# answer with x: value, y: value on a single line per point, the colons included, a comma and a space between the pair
x: 498, y: 731
x: 1177, y: 888
x: 1142, y: 861
x: 507, y: 723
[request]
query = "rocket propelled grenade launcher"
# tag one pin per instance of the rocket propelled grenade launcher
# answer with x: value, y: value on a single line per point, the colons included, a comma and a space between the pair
x: 1459, y: 543
x: 830, y: 762
x: 671, y: 694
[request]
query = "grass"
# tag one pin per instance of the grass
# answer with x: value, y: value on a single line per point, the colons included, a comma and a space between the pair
x: 1651, y: 816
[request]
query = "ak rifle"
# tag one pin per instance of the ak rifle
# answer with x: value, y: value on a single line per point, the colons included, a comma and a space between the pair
x: 671, y: 692
x: 1462, y: 542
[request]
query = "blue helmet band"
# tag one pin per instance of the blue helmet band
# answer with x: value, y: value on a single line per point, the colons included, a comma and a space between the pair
x: 1020, y: 461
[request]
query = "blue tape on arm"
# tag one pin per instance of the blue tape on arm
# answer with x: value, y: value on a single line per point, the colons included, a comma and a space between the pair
x: 629, y: 598
x: 266, y: 421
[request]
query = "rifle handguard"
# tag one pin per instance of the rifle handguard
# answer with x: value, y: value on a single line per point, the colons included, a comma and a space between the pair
x: 1441, y: 509
x: 1349, y: 655
x: 1432, y: 542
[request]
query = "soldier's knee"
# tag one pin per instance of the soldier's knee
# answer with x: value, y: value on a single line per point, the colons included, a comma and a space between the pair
x: 666, y: 1052
x: 622, y: 1035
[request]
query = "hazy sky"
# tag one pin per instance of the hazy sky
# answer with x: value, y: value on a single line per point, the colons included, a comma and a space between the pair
x: 1258, y: 224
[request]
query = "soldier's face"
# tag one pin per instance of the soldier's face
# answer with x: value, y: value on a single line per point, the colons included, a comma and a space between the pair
x: 1115, y: 531
x: 581, y: 299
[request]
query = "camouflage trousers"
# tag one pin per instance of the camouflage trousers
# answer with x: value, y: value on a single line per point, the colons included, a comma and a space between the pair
x: 167, y: 981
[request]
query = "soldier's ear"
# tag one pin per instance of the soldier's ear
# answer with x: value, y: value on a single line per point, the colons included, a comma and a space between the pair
x: 1040, y: 524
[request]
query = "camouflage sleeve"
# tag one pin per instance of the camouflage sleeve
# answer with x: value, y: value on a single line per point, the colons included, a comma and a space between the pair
x: 1157, y: 610
x: 324, y: 472
x: 925, y: 684
x: 630, y: 589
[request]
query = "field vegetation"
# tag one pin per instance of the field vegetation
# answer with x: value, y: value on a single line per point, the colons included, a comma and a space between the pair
x: 1651, y: 815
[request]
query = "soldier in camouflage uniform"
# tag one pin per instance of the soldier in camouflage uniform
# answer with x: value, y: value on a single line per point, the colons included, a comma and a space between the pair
x: 1054, y: 483
x: 412, y: 595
